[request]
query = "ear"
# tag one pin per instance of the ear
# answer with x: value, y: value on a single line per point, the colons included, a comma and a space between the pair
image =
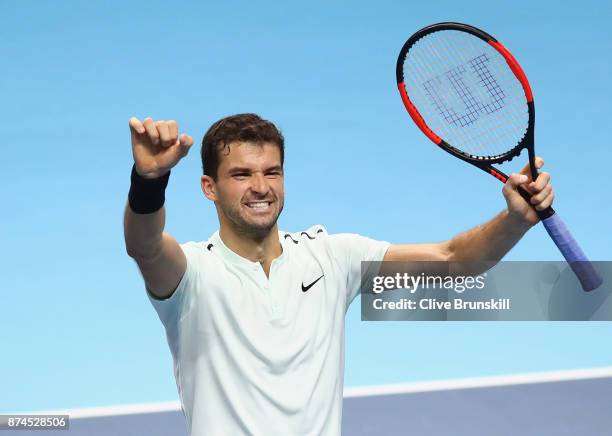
x: 209, y: 188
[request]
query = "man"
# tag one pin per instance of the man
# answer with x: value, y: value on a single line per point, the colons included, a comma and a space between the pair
x: 254, y: 316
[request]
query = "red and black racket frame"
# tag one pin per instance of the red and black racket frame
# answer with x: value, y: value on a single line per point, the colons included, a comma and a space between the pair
x: 588, y: 276
x: 484, y: 163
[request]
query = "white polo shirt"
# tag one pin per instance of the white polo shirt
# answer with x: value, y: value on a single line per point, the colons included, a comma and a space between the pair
x: 264, y: 356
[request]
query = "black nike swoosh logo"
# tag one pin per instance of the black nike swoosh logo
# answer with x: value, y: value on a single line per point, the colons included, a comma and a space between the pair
x: 306, y: 288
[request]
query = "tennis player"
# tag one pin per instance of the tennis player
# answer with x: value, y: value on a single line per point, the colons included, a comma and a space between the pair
x: 254, y: 316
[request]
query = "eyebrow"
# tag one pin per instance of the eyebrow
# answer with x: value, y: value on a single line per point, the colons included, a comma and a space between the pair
x: 248, y: 170
x: 239, y: 170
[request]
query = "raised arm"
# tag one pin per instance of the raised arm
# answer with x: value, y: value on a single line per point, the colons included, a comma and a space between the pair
x: 156, y: 148
x: 493, y: 239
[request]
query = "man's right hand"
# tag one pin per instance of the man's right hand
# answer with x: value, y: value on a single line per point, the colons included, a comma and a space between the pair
x: 156, y: 146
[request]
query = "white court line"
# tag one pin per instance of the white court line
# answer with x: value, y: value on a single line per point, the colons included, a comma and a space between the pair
x: 368, y: 391
x: 480, y: 382
x: 117, y: 410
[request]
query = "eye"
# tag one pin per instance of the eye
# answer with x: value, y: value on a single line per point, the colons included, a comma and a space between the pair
x: 240, y: 176
x: 274, y: 173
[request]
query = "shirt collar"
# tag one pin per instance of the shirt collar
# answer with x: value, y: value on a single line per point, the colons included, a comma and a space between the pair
x: 229, y: 255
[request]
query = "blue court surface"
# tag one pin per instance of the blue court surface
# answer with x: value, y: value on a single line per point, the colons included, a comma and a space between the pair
x: 575, y: 403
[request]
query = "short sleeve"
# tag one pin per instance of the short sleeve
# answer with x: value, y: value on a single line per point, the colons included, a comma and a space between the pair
x: 350, y: 250
x: 170, y: 310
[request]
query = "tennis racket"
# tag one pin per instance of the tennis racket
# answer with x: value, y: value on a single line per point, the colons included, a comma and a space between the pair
x: 468, y: 94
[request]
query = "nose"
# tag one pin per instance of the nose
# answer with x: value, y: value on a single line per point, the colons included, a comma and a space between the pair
x: 259, y: 184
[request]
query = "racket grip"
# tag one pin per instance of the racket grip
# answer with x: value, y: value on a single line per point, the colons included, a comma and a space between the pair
x: 584, y: 270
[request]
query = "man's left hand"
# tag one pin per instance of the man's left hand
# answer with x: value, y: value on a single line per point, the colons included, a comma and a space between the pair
x: 540, y: 189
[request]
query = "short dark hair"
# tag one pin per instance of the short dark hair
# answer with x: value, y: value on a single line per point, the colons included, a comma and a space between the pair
x: 237, y: 128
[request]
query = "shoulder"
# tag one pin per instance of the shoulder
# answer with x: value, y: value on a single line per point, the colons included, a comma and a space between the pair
x: 199, y: 251
x: 195, y: 247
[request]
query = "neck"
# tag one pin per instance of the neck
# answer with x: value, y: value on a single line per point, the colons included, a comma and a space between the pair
x: 263, y: 250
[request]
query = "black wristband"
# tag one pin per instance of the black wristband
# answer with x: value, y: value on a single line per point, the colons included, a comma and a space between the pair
x: 147, y: 195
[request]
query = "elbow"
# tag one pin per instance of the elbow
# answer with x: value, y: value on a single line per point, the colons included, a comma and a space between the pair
x: 131, y: 248
x: 143, y: 253
x: 447, y: 252
x: 461, y: 264
x: 131, y: 251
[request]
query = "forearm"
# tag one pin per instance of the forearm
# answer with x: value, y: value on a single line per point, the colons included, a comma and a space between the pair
x: 143, y: 233
x: 489, y: 241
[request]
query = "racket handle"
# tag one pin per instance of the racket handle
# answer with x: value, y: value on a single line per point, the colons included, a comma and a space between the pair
x: 584, y: 270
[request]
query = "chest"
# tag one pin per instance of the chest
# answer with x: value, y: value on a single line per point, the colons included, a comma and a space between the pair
x: 299, y: 306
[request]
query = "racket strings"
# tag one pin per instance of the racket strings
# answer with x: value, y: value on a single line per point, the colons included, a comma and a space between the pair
x: 494, y: 135
x: 466, y: 93
x: 487, y: 80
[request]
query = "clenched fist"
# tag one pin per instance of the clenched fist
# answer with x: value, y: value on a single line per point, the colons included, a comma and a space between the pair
x: 157, y: 146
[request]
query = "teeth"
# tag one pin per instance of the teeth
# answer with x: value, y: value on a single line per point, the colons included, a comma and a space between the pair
x: 259, y: 205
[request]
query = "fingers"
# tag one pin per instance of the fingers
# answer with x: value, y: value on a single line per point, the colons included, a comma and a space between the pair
x: 514, y: 181
x: 136, y: 126
x: 539, y: 184
x: 541, y: 190
x: 539, y: 163
x: 185, y: 142
x: 164, y: 133
x: 547, y: 201
x: 167, y: 132
x: 543, y: 194
x: 173, y: 130
x: 151, y: 129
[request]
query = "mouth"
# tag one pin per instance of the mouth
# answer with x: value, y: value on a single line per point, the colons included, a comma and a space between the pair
x: 259, y: 206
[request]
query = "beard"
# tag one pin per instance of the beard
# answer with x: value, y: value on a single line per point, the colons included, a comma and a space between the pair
x: 253, y: 228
